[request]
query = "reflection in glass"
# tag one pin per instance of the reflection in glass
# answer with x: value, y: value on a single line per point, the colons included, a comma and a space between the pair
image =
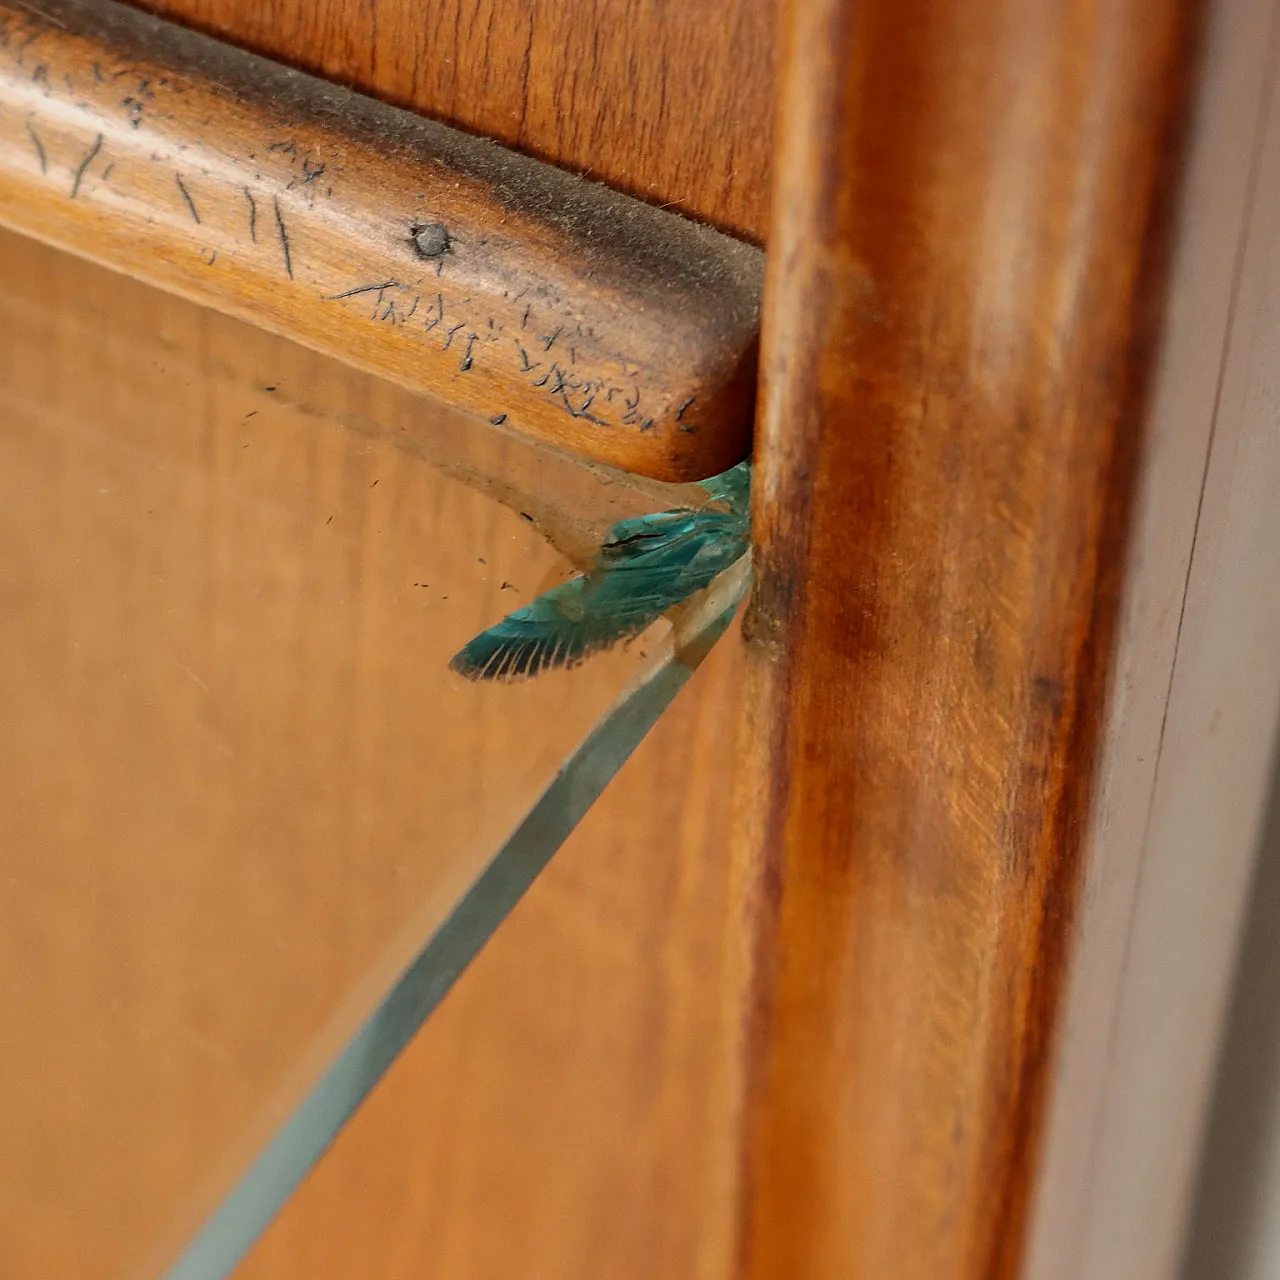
x: 646, y: 566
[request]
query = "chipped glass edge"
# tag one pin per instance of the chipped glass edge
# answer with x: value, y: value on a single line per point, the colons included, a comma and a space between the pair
x: 261, y: 1191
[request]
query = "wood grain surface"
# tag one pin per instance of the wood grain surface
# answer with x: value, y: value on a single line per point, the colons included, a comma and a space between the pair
x: 238, y: 782
x: 558, y: 1115
x: 561, y: 1114
x: 566, y: 1111
x: 966, y: 273
x: 667, y: 100
x: 547, y: 303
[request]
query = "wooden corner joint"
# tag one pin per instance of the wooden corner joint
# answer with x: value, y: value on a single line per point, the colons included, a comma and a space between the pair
x: 440, y: 261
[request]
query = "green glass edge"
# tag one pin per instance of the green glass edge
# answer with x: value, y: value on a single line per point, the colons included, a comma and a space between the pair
x: 229, y: 1233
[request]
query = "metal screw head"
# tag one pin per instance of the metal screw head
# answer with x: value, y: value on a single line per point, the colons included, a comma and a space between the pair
x: 430, y: 240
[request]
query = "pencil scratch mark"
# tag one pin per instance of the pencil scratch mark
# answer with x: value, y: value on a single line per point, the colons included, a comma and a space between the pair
x: 253, y: 214
x: 186, y: 195
x: 84, y: 164
x: 466, y: 356
x: 284, y: 237
x: 364, y: 288
x: 27, y: 43
x: 35, y: 138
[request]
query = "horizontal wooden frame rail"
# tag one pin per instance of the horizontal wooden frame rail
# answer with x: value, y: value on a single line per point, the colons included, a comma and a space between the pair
x: 544, y: 302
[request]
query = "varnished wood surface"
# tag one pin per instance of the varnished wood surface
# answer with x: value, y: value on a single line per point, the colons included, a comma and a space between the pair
x: 668, y: 100
x: 560, y: 1114
x: 549, y: 304
x: 557, y: 1117
x: 965, y: 285
x: 501, y: 1186
x: 238, y: 783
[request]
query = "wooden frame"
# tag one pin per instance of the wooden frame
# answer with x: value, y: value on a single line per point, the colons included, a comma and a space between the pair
x: 542, y: 302
x: 966, y: 269
x: 1002, y: 569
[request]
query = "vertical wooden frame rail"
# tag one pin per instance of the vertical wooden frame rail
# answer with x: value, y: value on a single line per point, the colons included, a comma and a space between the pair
x: 972, y: 206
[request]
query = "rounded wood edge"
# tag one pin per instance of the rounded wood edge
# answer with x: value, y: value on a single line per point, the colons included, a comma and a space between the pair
x: 961, y: 315
x: 545, y: 303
